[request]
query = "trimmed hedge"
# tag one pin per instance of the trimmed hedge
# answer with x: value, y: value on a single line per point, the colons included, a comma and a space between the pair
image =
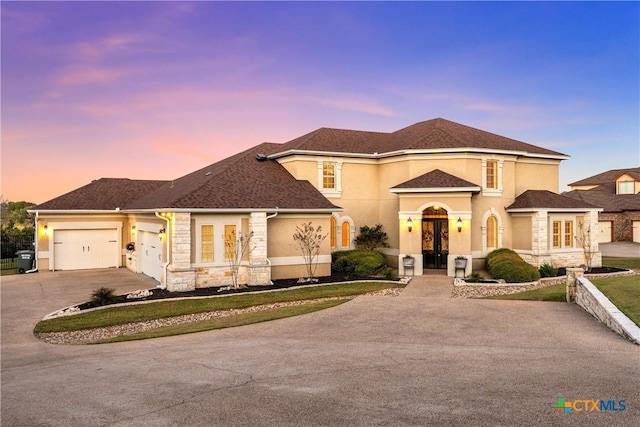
x: 358, y: 262
x: 508, y: 265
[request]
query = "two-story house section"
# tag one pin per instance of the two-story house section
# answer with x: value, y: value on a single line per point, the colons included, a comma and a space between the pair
x: 441, y: 190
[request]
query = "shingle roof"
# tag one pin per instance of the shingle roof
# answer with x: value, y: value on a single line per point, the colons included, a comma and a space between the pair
x: 606, y: 198
x: 102, y: 194
x: 437, y: 179
x: 544, y: 199
x: 427, y: 135
x: 607, y: 177
x: 238, y: 182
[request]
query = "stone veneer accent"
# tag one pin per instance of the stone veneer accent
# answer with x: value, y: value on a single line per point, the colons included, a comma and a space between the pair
x: 259, y: 269
x: 594, y: 302
x: 180, y: 275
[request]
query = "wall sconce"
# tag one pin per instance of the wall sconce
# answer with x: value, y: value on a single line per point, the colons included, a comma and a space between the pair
x: 45, y: 230
x: 409, y: 224
x: 133, y: 229
x: 459, y: 224
x: 161, y: 233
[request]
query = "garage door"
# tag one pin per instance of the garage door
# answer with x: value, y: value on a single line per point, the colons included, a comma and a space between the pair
x: 83, y: 249
x: 604, y: 231
x: 636, y: 231
x: 150, y: 254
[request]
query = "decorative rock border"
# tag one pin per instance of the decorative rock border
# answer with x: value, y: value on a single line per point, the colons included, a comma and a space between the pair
x: 463, y: 289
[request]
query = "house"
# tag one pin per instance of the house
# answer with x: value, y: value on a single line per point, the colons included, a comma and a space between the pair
x: 441, y: 190
x: 617, y: 191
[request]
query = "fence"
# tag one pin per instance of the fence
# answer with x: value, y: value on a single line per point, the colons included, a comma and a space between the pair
x: 10, y: 244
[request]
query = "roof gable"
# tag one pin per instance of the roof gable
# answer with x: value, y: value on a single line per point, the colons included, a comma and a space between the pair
x: 607, y: 177
x: 437, y: 180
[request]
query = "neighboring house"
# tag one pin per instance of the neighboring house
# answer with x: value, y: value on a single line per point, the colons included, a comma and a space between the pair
x: 618, y: 193
x: 440, y: 189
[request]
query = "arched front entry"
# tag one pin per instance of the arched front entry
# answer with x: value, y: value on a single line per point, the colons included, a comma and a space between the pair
x: 435, y: 237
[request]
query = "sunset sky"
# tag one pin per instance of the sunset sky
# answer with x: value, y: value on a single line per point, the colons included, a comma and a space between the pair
x: 154, y: 90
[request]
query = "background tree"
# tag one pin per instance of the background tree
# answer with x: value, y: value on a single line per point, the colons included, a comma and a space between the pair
x: 372, y: 238
x: 309, y: 240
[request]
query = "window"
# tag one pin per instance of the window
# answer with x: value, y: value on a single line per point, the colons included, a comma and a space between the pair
x: 346, y: 234
x: 556, y: 233
x: 206, y: 243
x: 492, y: 174
x: 492, y: 232
x: 230, y: 242
x: 329, y: 176
x: 568, y: 234
x: 333, y: 232
x: 562, y: 234
x: 625, y: 187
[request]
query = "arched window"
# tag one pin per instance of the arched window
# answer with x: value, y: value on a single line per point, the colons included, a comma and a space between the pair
x: 492, y: 232
x: 346, y: 235
x: 333, y: 232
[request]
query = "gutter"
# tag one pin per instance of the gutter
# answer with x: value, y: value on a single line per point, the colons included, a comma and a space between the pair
x: 166, y: 264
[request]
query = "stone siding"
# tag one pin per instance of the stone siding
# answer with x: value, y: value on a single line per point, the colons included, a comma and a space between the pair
x: 598, y: 305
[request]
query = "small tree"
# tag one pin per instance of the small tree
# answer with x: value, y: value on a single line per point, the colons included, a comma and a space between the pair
x: 309, y: 240
x: 372, y: 237
x: 585, y: 240
x: 235, y: 249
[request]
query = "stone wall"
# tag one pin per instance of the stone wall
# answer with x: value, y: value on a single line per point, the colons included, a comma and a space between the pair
x: 598, y: 305
x: 462, y: 289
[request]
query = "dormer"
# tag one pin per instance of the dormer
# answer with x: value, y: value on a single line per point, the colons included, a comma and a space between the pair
x: 627, y: 184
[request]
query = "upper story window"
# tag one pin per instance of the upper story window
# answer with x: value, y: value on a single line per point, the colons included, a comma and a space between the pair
x: 329, y: 175
x: 491, y: 177
x: 330, y: 178
x: 492, y: 174
x: 626, y: 187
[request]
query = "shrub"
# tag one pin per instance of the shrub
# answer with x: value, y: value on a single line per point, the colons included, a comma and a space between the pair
x: 473, y: 278
x: 372, y: 237
x: 103, y: 296
x: 508, y: 265
x: 547, y: 270
x: 357, y: 263
x: 389, y: 273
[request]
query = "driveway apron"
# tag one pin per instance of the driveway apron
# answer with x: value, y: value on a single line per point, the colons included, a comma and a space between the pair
x: 418, y: 359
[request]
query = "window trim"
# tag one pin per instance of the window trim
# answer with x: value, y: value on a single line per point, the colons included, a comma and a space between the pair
x: 632, y: 184
x: 564, y: 237
x: 336, y: 191
x: 490, y: 191
x: 218, y: 224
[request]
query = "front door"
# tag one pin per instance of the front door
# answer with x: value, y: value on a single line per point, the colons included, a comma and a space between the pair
x: 435, y: 242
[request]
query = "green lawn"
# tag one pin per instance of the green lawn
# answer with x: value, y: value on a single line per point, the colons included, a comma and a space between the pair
x: 550, y: 293
x: 170, y: 308
x: 624, y: 293
x: 630, y: 263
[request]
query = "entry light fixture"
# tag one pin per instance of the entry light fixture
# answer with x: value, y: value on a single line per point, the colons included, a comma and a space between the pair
x: 133, y: 228
x: 161, y: 233
x: 45, y: 230
x: 409, y: 224
x: 459, y: 224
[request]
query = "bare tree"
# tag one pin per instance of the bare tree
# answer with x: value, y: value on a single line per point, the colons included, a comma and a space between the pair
x: 235, y: 250
x: 585, y: 240
x: 309, y: 240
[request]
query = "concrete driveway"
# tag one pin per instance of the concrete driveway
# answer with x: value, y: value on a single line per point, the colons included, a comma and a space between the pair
x: 418, y: 359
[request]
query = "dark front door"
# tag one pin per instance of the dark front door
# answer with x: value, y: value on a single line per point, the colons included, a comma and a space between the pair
x: 435, y: 242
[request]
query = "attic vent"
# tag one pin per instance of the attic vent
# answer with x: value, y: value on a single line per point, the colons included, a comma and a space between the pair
x: 207, y: 174
x: 261, y: 157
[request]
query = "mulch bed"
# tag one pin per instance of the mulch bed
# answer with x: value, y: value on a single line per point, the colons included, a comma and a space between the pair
x: 158, y: 294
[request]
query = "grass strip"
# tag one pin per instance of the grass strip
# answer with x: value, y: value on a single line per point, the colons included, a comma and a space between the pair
x: 229, y: 322
x: 557, y: 293
x: 630, y: 263
x: 624, y: 293
x: 171, y: 308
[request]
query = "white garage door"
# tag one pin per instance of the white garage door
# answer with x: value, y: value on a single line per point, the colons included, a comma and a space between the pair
x: 83, y: 249
x: 636, y: 231
x: 604, y: 231
x: 150, y: 254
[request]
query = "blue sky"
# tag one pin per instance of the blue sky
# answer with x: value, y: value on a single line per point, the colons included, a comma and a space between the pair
x: 154, y: 90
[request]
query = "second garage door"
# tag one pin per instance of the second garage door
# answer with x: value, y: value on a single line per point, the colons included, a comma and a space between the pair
x: 83, y: 249
x: 604, y: 231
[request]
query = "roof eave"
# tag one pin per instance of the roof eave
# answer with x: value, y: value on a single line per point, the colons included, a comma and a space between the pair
x: 235, y: 210
x: 525, y: 210
x: 436, y: 190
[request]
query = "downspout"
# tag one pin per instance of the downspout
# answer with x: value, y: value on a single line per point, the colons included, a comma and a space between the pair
x: 166, y: 264
x: 35, y: 256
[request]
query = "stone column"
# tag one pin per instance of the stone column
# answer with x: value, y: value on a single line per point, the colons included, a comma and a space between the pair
x: 259, y: 268
x: 180, y: 275
x: 572, y: 278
